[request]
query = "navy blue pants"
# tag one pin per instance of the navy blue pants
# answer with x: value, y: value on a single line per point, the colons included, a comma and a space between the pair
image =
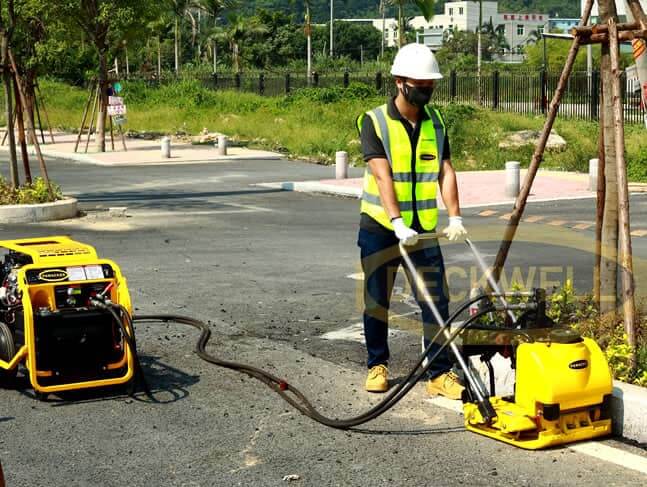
x: 380, y: 261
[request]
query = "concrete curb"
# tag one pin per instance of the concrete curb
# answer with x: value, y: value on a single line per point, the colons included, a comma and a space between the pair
x: 628, y: 409
x: 89, y: 159
x: 58, y: 210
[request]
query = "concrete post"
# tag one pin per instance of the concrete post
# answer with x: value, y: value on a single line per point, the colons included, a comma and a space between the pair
x: 341, y: 164
x: 221, y: 147
x: 166, y: 147
x: 593, y: 174
x: 512, y: 179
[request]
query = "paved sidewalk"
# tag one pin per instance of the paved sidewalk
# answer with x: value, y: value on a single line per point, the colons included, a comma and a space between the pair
x: 476, y: 188
x: 142, y: 152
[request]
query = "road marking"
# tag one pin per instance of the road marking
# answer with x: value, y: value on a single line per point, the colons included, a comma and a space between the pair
x: 556, y: 223
x: 239, y: 208
x: 359, y: 276
x: 488, y: 213
x: 639, y: 233
x: 355, y: 332
x: 594, y: 449
x: 583, y: 226
x: 612, y: 455
x: 534, y: 218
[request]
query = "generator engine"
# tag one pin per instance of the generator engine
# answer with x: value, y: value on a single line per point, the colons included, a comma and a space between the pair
x: 53, y: 319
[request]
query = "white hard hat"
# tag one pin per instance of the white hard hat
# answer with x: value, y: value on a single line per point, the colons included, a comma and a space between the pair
x: 416, y: 61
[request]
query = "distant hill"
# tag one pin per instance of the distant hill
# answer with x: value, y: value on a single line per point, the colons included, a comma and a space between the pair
x: 320, y: 9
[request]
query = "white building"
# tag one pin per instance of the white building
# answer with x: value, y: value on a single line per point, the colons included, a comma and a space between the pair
x: 519, y: 28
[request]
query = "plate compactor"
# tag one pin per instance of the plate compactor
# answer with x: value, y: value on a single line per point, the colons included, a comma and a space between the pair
x: 563, y: 383
x: 53, y: 321
x: 66, y: 314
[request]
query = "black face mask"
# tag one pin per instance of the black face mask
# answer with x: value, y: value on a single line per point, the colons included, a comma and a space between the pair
x: 417, y: 95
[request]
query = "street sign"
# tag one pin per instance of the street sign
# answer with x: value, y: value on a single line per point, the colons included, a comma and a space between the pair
x: 115, y: 100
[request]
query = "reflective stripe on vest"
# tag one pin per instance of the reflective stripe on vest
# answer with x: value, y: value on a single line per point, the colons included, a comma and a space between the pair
x: 397, y: 146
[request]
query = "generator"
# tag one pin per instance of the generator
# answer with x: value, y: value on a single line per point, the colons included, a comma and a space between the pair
x: 54, y: 320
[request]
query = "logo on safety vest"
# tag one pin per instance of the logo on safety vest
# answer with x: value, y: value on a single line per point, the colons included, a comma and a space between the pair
x: 427, y: 157
x: 53, y: 275
x: 578, y: 364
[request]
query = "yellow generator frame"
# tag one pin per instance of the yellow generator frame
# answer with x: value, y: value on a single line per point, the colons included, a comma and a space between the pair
x: 53, y: 284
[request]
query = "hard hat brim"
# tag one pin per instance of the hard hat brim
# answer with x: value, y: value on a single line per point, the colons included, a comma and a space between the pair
x: 418, y: 76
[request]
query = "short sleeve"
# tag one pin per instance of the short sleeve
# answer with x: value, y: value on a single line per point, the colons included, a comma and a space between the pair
x: 372, y: 147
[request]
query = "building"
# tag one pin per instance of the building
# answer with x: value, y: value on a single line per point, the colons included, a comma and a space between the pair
x: 562, y: 25
x: 520, y: 29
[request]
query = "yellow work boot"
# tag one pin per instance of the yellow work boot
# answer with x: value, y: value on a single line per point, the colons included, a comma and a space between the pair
x: 447, y: 385
x: 377, y: 380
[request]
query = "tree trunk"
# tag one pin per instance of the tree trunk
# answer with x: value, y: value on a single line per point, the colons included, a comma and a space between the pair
x: 103, y: 102
x: 215, y: 56
x: 159, y: 59
x: 400, y: 25
x: 609, y: 244
x: 309, y: 45
x: 177, y: 48
x: 21, y: 132
x: 6, y: 79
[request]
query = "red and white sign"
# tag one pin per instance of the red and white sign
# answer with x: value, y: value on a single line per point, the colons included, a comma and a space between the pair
x: 115, y: 100
x: 116, y: 110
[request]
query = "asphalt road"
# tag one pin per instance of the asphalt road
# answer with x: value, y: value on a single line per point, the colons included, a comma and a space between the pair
x: 269, y: 270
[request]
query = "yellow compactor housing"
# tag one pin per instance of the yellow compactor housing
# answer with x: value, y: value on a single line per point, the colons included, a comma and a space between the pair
x: 562, y: 394
x: 48, y: 322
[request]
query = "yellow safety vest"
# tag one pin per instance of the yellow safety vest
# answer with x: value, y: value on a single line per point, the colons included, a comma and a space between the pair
x: 427, y: 163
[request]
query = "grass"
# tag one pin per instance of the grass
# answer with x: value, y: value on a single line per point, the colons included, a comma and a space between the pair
x: 314, y: 124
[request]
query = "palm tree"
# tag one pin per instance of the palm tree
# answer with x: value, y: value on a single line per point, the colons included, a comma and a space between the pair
x: 426, y: 8
x: 238, y: 27
x: 181, y: 9
x: 214, y: 8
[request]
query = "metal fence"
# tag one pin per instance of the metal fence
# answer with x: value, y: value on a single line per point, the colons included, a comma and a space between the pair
x: 519, y: 92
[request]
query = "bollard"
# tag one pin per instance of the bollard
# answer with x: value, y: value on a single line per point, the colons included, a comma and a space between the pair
x: 341, y: 164
x: 166, y: 147
x: 221, y: 146
x: 593, y: 174
x: 512, y: 179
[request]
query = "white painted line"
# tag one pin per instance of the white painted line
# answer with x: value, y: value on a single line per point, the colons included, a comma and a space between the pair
x: 355, y: 332
x: 443, y: 402
x: 612, y: 455
x: 359, y: 276
x: 240, y: 209
x: 594, y: 449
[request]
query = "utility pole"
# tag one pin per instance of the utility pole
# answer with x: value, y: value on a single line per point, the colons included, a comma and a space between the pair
x: 332, y: 19
x: 383, y: 9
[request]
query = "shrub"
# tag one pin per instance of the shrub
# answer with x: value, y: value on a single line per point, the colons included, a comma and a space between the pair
x: 33, y: 193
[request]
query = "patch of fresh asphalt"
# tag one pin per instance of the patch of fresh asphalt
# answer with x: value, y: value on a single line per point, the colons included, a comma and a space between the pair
x: 271, y: 280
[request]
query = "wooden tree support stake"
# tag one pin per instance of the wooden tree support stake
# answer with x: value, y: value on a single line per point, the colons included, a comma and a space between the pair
x: 85, y: 115
x: 626, y: 260
x: 32, y: 131
x: 537, y: 157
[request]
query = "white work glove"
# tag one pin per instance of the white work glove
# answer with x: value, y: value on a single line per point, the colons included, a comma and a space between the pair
x: 455, y: 229
x: 406, y: 235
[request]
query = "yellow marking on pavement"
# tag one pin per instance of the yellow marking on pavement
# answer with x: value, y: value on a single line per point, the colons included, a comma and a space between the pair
x: 507, y: 216
x: 534, y: 218
x: 556, y: 223
x: 488, y: 213
x: 583, y: 226
x: 639, y: 233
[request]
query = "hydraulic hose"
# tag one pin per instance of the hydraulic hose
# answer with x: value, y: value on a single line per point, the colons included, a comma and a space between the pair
x: 294, y: 396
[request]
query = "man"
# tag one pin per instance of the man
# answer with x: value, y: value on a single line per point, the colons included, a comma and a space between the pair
x: 406, y: 148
